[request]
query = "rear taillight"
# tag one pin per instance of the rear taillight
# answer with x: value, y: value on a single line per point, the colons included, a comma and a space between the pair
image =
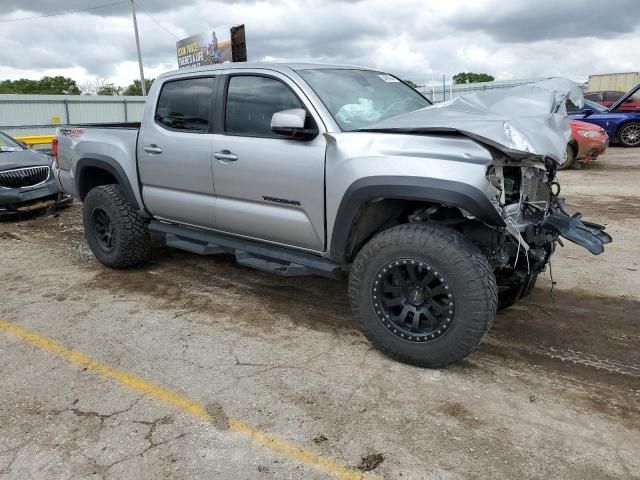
x: 54, y: 151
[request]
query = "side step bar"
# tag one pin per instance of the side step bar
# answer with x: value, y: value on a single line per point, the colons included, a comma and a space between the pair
x: 278, y: 260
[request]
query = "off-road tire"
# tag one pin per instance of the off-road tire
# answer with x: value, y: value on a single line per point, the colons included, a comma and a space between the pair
x: 570, y: 160
x: 622, y: 138
x: 131, y: 240
x: 467, y: 272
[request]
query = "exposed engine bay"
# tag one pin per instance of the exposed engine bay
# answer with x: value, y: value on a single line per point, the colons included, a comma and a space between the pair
x: 527, y: 197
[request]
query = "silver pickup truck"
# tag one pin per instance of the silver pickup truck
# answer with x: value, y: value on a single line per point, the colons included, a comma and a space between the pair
x: 438, y: 214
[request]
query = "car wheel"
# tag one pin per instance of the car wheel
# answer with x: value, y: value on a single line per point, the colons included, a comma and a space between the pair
x: 117, y: 235
x: 569, y: 158
x: 423, y: 294
x: 629, y: 134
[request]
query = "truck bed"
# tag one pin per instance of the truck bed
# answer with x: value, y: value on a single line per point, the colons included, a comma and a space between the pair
x: 114, y: 143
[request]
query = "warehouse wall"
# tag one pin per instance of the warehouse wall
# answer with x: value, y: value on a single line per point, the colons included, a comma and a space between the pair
x: 620, y: 82
x: 41, y: 114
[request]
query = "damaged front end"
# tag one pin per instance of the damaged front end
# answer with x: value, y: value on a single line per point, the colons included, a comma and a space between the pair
x: 527, y: 130
x: 526, y: 193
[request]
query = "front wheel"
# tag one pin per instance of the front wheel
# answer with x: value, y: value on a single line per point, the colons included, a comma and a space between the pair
x: 629, y: 134
x: 569, y: 158
x: 423, y: 294
x: 117, y: 235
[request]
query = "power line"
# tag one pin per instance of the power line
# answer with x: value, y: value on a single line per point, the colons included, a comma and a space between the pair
x: 155, y: 21
x: 64, y: 13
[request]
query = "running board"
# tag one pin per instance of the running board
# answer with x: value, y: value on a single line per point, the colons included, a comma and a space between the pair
x: 269, y: 258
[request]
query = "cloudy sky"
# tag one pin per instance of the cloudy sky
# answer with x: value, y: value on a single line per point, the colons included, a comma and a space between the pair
x: 416, y: 39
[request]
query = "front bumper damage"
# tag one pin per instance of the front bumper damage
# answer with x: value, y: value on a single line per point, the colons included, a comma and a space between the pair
x: 586, y: 234
x: 536, y: 220
x: 526, y: 130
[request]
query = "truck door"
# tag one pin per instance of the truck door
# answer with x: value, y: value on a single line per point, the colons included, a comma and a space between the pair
x: 268, y: 187
x: 175, y: 149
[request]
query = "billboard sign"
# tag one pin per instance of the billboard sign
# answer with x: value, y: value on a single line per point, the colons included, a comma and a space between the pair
x: 204, y: 49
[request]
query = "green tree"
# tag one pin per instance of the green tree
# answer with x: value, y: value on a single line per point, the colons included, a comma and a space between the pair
x: 99, y: 86
x: 58, y: 85
x: 136, y: 89
x: 109, y: 89
x: 471, y: 77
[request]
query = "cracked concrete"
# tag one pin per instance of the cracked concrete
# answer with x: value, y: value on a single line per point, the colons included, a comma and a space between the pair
x: 285, y: 356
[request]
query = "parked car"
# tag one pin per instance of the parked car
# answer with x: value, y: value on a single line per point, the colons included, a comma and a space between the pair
x: 609, y: 97
x: 622, y: 126
x: 588, y: 141
x: 26, y: 179
x: 439, y: 215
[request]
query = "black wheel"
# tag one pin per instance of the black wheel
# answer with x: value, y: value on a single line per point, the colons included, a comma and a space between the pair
x: 117, y: 235
x: 569, y: 159
x: 629, y: 134
x: 423, y: 294
x: 510, y: 295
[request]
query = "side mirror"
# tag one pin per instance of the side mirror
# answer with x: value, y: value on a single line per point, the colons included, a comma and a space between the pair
x: 587, y: 112
x: 290, y: 123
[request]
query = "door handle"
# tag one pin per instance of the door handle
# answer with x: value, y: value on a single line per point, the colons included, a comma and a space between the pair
x: 153, y: 149
x: 225, y: 155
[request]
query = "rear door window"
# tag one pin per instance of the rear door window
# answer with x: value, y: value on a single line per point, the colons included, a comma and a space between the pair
x: 185, y: 105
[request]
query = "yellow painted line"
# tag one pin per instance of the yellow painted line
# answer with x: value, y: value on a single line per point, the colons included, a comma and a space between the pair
x: 183, y: 403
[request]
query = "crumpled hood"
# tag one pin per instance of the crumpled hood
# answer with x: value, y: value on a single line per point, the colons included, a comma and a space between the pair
x: 23, y: 158
x: 523, y: 121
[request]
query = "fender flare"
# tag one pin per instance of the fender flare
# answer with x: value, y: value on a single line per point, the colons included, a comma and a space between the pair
x: 114, y: 168
x: 442, y: 192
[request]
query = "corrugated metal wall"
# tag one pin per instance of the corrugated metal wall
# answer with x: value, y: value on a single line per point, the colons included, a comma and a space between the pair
x: 620, y: 82
x: 41, y: 114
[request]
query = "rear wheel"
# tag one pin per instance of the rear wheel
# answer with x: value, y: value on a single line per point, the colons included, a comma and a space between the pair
x: 629, y: 134
x: 423, y: 294
x: 117, y: 235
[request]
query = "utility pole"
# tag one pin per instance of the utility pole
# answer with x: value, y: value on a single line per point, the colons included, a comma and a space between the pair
x: 135, y: 29
x: 444, y: 89
x: 433, y: 89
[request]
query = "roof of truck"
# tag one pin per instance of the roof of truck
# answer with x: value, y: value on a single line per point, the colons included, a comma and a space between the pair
x: 278, y: 66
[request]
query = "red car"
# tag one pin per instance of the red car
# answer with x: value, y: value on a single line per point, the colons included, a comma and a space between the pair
x: 609, y: 97
x: 587, y: 142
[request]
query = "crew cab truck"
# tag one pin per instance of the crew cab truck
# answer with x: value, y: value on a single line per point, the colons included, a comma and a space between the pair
x: 283, y: 166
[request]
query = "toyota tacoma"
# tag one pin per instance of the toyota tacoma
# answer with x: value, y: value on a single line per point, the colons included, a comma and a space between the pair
x: 438, y: 214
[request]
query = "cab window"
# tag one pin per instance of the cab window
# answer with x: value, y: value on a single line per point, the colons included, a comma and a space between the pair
x: 185, y: 105
x: 252, y: 101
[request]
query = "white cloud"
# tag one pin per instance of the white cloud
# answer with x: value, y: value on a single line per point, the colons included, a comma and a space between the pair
x: 412, y: 38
